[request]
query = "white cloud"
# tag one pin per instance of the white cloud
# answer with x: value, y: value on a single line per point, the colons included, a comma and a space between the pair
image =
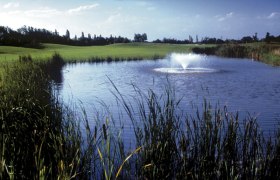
x: 225, y: 17
x: 11, y: 5
x: 42, y: 12
x: 82, y: 8
x: 10, y: 13
x: 273, y: 15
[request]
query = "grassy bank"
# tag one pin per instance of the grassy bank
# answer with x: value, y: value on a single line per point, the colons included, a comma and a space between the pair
x: 78, y: 53
x: 267, y: 53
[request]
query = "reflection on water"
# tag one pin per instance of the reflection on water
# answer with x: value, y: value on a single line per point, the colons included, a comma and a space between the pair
x: 55, y: 73
x: 241, y: 85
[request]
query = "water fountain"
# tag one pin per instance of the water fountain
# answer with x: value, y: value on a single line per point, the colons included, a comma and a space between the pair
x: 189, y: 63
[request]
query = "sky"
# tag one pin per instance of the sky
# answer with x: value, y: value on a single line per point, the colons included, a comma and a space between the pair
x: 177, y: 19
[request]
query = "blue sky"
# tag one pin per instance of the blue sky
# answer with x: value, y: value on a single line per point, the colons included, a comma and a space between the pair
x: 158, y: 18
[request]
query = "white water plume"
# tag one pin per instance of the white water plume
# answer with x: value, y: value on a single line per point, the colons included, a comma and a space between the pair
x: 185, y: 59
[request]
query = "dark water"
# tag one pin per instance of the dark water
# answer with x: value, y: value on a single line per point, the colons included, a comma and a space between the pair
x: 242, y: 85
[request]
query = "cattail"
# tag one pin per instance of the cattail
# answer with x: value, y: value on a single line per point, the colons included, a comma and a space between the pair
x: 95, y: 132
x: 104, y: 132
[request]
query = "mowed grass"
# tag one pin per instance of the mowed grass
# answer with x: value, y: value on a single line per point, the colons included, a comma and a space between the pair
x: 84, y: 53
x: 9, y: 54
x: 268, y: 53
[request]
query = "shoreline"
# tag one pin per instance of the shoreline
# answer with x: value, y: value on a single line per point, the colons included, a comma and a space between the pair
x: 265, y: 53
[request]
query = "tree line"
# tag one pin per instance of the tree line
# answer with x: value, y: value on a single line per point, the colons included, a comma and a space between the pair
x: 207, y: 40
x: 32, y: 37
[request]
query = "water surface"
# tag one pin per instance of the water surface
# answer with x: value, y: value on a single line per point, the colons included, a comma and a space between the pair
x: 242, y: 85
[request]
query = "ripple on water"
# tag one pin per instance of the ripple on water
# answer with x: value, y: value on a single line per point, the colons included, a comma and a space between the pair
x: 185, y: 71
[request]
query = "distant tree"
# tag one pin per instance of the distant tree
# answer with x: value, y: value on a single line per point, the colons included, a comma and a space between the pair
x: 82, y: 36
x: 144, y: 37
x: 112, y: 39
x: 140, y: 37
x: 23, y: 30
x: 247, y: 39
x: 30, y: 29
x: 32, y: 37
x: 56, y: 33
x: 190, y: 39
x: 173, y: 41
x: 157, y: 41
x: 267, y: 37
x: 208, y: 40
x: 220, y: 41
x: 196, y: 38
x: 255, y: 37
x: 137, y: 37
x: 67, y: 35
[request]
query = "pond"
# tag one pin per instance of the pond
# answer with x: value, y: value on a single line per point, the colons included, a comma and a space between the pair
x: 242, y: 85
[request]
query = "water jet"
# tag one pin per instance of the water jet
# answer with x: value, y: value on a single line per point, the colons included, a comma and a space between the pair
x: 183, y: 63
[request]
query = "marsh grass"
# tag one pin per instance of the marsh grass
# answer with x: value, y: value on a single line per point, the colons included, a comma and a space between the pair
x: 213, y: 144
x: 39, y: 138
x: 267, y: 53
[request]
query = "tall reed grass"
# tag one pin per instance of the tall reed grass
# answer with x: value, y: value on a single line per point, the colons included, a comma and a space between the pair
x: 39, y: 138
x: 266, y: 53
x: 213, y: 144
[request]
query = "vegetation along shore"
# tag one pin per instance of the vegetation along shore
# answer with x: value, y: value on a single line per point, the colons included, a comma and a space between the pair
x: 266, y: 53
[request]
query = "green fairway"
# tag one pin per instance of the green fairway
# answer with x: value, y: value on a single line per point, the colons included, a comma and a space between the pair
x: 83, y: 53
x: 267, y: 53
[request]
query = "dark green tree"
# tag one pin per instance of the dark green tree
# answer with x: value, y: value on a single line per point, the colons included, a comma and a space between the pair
x: 82, y: 36
x: 144, y: 37
x: 67, y: 35
x: 140, y: 37
x: 255, y: 37
x: 190, y: 39
x: 56, y: 33
x: 247, y: 39
x: 267, y: 37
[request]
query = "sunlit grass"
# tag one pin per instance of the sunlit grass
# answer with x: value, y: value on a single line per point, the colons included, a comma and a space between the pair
x: 266, y: 53
x: 83, y: 53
